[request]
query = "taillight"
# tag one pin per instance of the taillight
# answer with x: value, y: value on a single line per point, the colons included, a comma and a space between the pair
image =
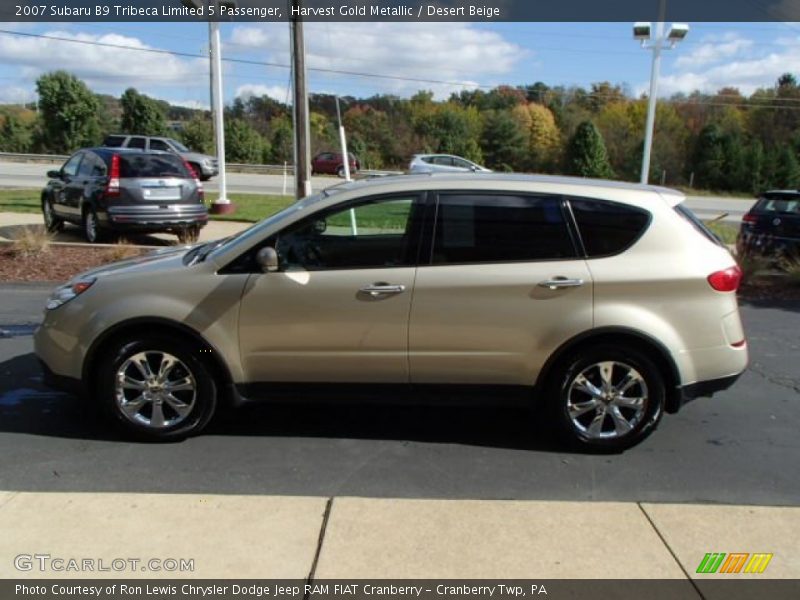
x: 727, y: 280
x: 112, y: 187
x: 200, y: 191
x: 749, y: 219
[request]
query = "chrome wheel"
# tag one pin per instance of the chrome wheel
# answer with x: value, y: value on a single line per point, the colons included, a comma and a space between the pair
x: 607, y: 400
x: 155, y: 389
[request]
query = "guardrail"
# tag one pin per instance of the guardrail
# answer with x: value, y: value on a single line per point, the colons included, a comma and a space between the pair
x: 233, y: 167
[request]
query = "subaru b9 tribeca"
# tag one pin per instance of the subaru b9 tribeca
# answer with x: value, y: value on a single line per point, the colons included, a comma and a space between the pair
x: 607, y: 303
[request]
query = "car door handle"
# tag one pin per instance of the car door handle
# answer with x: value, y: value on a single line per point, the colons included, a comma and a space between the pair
x: 558, y: 283
x: 379, y: 289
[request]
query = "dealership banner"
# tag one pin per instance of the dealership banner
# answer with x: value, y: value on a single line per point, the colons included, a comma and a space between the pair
x: 399, y: 10
x: 379, y: 589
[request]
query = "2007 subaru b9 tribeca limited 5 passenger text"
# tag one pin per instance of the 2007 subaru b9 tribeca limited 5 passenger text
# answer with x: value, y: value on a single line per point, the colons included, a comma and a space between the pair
x: 608, y: 302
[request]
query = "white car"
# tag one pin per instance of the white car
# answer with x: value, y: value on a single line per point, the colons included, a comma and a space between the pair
x: 444, y: 163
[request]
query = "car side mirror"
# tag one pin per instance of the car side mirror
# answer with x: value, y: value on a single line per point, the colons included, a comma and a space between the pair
x: 267, y: 259
x: 54, y: 174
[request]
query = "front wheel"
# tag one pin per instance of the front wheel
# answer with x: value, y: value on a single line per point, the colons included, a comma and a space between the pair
x: 156, y: 389
x: 607, y: 398
x: 52, y: 223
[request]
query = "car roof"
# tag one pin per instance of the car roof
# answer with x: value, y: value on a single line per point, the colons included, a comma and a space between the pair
x: 487, y: 181
x: 104, y: 150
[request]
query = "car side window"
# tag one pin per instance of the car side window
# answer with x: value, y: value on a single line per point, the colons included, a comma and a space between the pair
x: 607, y: 228
x: 91, y: 166
x: 159, y: 145
x: 457, y: 162
x: 446, y: 161
x: 70, y: 168
x: 137, y: 142
x: 371, y: 234
x: 494, y: 228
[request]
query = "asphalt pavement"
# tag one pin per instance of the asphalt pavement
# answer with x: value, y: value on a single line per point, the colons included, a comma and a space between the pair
x: 740, y: 447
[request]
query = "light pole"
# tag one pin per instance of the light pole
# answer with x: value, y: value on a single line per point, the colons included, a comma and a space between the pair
x: 657, y: 43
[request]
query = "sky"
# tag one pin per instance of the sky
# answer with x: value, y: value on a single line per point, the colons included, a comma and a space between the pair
x: 441, y: 57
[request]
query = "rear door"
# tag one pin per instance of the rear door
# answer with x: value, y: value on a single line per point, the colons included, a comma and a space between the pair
x: 503, y: 287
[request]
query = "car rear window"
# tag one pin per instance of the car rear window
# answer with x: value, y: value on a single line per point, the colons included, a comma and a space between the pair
x: 114, y: 141
x: 697, y: 223
x: 150, y: 165
x: 779, y: 204
x: 608, y: 228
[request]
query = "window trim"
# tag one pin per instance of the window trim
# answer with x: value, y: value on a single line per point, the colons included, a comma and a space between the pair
x: 430, y: 230
x: 579, y: 236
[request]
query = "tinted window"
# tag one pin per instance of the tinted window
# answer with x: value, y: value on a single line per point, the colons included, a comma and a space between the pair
x: 137, y: 142
x: 443, y: 160
x: 92, y: 166
x: 71, y: 166
x: 370, y: 235
x: 607, y: 227
x: 114, y: 141
x: 149, y: 165
x: 159, y: 145
x: 499, y: 228
x: 782, y: 204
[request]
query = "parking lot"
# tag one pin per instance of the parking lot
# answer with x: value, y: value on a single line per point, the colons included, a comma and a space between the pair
x: 740, y: 447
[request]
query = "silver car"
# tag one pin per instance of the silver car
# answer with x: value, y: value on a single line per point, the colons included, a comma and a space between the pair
x: 609, y: 304
x: 444, y: 163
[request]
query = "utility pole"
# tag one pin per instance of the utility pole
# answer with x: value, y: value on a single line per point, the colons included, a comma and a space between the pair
x: 302, y: 134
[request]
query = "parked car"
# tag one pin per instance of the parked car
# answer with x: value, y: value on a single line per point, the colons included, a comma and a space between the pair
x: 332, y: 163
x: 772, y: 226
x: 444, y: 163
x: 204, y: 165
x: 107, y: 191
x: 604, y: 301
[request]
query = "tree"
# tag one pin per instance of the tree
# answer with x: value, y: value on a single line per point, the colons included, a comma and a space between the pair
x: 15, y: 136
x: 141, y: 114
x: 198, y: 135
x: 586, y: 153
x: 243, y: 144
x: 69, y: 113
x: 503, y: 143
x: 787, y: 170
x: 709, y: 158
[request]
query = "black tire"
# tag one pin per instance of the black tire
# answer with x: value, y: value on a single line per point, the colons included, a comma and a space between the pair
x: 91, y: 226
x: 52, y: 223
x: 340, y: 171
x: 200, y: 402
x: 189, y: 235
x: 611, y: 409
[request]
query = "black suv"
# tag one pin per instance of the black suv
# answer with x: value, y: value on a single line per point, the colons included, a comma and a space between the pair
x: 112, y: 190
x: 772, y: 226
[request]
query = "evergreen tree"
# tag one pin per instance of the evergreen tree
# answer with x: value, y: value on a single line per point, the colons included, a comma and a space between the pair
x: 503, y: 143
x: 586, y: 153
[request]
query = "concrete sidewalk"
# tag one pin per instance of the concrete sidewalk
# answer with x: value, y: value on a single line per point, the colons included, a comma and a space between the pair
x: 331, y: 538
x: 11, y: 225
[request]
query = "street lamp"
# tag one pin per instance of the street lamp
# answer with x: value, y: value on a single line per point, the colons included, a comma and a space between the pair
x: 642, y: 32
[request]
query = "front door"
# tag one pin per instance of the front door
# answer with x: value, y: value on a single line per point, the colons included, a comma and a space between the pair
x: 337, y: 310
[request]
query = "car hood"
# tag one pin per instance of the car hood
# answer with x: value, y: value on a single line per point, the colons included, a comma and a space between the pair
x: 152, y: 261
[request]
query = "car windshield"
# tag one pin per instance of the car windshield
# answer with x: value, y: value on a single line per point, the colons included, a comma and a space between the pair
x: 178, y: 146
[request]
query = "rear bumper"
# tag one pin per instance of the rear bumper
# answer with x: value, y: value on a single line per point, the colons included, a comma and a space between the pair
x: 157, y: 217
x: 699, y: 389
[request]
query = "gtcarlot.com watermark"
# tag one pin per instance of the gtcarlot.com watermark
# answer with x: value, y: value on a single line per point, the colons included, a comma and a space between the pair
x: 45, y: 563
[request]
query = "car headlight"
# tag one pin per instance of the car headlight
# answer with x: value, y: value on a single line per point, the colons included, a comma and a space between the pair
x: 67, y: 292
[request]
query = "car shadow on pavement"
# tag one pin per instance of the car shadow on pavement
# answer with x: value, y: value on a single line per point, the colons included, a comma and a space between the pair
x: 28, y: 407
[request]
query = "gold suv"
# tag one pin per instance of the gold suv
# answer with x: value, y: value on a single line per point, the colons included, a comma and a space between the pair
x: 609, y: 303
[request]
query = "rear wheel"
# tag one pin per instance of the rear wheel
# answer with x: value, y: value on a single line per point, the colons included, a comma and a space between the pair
x: 607, y: 397
x: 340, y: 171
x: 91, y: 226
x: 52, y: 223
x: 156, y: 388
